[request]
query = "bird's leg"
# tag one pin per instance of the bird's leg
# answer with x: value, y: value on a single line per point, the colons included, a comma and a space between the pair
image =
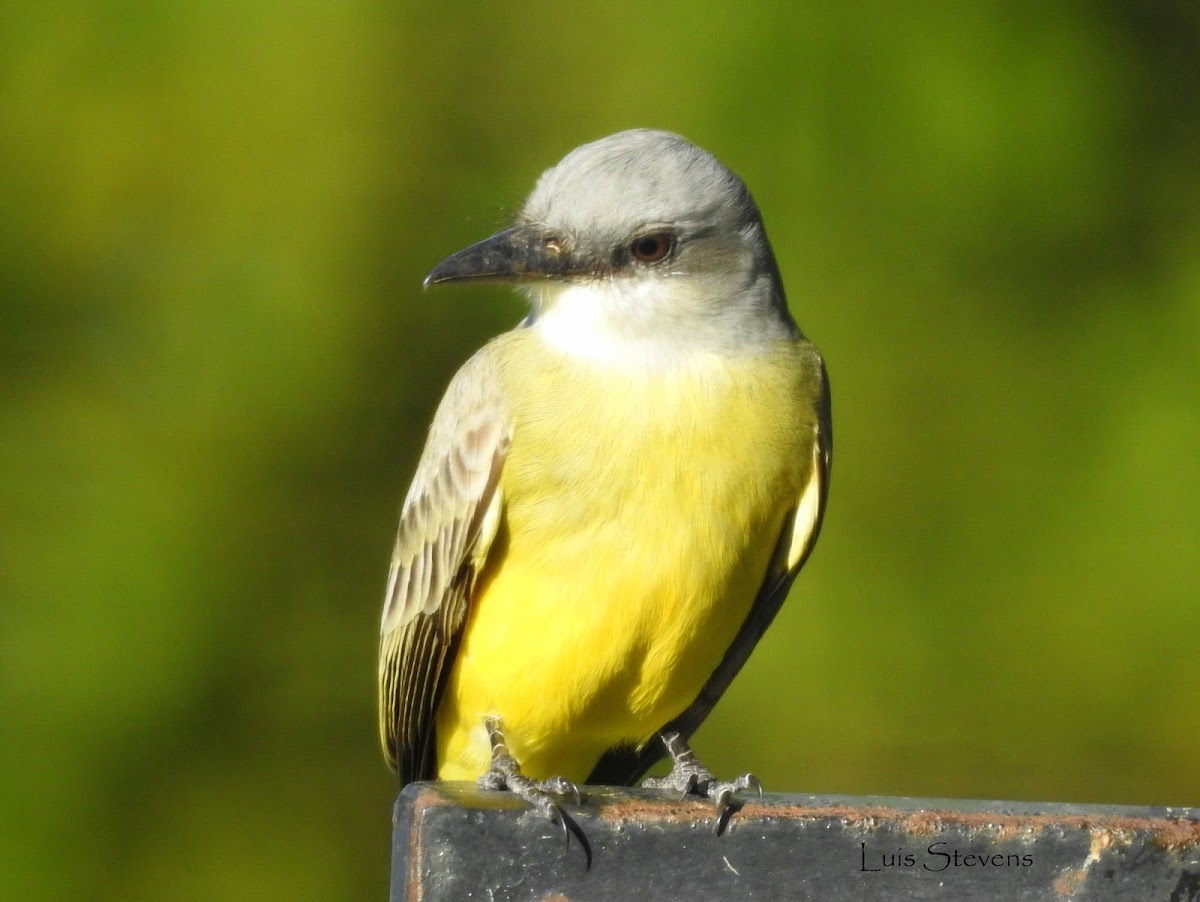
x: 689, y: 777
x: 505, y: 773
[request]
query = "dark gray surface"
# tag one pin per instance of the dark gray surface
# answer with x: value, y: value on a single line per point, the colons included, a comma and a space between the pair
x: 454, y: 842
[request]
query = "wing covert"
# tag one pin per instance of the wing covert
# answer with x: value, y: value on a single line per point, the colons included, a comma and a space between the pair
x: 449, y: 518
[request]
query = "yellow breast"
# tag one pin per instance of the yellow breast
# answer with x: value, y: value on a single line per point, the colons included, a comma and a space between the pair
x: 641, y: 510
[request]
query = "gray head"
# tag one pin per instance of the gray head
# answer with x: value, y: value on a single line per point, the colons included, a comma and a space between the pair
x: 640, y: 234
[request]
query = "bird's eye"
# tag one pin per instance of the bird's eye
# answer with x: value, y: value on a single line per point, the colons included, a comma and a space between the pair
x: 652, y: 248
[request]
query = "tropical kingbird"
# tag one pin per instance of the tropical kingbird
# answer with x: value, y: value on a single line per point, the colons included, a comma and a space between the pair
x: 614, y: 497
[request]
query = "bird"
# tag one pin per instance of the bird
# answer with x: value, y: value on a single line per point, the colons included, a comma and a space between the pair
x: 615, y: 496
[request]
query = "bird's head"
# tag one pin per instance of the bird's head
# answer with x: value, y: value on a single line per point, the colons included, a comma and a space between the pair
x: 637, y: 237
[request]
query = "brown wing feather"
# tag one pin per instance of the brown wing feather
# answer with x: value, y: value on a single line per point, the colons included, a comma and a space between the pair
x: 447, y: 525
x: 623, y: 766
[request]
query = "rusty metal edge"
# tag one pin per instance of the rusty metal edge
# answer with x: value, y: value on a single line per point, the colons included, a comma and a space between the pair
x: 1173, y: 829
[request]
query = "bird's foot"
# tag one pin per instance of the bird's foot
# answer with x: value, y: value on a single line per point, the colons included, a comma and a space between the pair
x: 689, y: 777
x: 505, y: 774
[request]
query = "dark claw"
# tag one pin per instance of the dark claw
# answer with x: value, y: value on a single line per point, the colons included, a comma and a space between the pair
x: 555, y: 814
x: 722, y: 819
x: 561, y: 786
x: 505, y: 774
x: 689, y: 777
x: 752, y: 782
x: 723, y: 796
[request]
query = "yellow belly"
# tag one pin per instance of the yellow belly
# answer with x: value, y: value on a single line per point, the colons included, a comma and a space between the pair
x: 640, y: 515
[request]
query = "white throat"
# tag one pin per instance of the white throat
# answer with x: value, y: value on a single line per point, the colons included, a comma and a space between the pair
x: 622, y: 323
x: 658, y: 323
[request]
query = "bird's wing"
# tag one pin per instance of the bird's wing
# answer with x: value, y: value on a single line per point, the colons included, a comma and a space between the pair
x: 447, y: 525
x: 625, y: 765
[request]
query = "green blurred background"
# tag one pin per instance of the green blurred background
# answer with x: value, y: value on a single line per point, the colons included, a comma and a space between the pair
x: 218, y: 366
